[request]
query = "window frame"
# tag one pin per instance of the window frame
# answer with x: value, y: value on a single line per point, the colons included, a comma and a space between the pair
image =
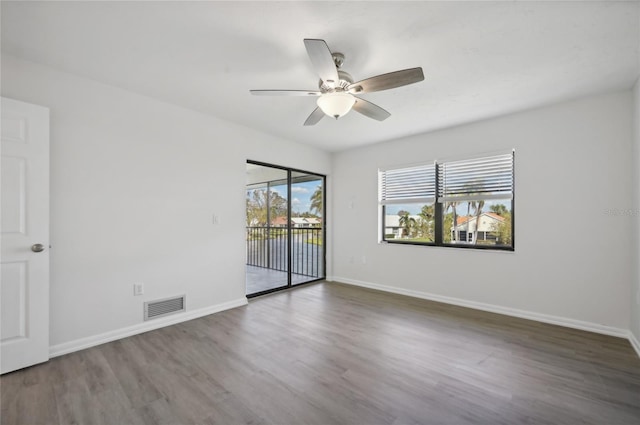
x: 439, y: 206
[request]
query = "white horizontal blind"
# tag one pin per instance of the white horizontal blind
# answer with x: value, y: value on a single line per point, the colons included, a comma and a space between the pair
x: 408, y: 185
x: 489, y: 177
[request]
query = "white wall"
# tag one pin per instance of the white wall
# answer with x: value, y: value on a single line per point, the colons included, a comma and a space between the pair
x: 572, y: 261
x: 134, y: 185
x: 635, y: 288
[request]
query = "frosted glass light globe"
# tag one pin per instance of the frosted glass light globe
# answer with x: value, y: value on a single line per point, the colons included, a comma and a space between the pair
x: 336, y: 104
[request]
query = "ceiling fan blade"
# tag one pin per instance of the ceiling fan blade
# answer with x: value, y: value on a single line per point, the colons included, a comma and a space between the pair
x: 370, y: 110
x: 285, y: 92
x: 315, y: 116
x: 387, y: 81
x: 322, y: 61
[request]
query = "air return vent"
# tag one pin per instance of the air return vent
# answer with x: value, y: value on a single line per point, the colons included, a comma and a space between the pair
x: 160, y: 308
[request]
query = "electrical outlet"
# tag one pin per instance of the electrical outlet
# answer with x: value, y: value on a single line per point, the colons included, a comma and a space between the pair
x: 350, y: 260
x: 138, y: 288
x: 364, y: 259
x: 216, y: 219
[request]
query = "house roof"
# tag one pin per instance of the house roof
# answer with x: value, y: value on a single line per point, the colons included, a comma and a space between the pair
x: 465, y: 218
x: 279, y: 221
x: 494, y: 215
x: 282, y: 220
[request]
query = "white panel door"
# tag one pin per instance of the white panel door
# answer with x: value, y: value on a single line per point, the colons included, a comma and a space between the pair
x: 24, y: 205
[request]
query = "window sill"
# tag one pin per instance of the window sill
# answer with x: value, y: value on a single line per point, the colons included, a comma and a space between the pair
x: 449, y: 246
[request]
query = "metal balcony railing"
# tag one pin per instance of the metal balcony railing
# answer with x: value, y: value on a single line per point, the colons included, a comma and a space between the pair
x: 268, y: 247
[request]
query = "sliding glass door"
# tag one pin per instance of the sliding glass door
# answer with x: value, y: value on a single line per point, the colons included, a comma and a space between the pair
x: 267, y: 210
x: 307, y: 227
x: 285, y: 228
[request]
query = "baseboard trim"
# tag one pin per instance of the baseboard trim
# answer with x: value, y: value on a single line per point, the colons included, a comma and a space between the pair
x: 91, y: 341
x: 634, y: 343
x: 523, y: 314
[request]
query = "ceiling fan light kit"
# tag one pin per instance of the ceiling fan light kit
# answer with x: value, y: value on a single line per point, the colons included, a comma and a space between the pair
x: 336, y: 104
x: 336, y: 96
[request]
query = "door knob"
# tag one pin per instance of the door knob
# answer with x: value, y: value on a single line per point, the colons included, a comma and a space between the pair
x: 37, y: 247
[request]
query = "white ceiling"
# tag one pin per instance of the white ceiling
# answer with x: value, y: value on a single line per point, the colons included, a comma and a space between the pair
x: 480, y: 59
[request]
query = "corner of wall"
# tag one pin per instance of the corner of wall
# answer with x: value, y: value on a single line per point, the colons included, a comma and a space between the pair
x: 635, y: 284
x: 634, y: 343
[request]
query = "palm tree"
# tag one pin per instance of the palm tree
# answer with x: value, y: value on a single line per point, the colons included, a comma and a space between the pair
x: 426, y: 215
x: 316, y: 200
x: 453, y: 205
x: 407, y: 224
x: 477, y: 205
x: 470, y: 204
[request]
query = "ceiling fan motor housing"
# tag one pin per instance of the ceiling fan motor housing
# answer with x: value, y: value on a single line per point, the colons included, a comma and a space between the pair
x: 345, y: 81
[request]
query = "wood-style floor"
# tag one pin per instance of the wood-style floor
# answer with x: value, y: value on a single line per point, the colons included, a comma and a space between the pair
x: 336, y: 354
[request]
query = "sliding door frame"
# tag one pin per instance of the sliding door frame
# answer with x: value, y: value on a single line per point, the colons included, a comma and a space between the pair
x: 289, y: 171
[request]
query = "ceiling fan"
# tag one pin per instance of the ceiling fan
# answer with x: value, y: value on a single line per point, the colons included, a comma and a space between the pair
x: 336, y: 94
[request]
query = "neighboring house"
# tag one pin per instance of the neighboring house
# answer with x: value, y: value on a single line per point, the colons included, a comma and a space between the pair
x: 279, y: 222
x: 314, y: 222
x: 297, y: 222
x: 392, y: 225
x: 466, y: 227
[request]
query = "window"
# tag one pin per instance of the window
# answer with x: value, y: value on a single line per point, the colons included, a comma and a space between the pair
x: 463, y: 203
x: 407, y: 196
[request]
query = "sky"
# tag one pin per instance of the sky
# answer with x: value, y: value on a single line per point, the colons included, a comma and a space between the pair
x: 300, y: 195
